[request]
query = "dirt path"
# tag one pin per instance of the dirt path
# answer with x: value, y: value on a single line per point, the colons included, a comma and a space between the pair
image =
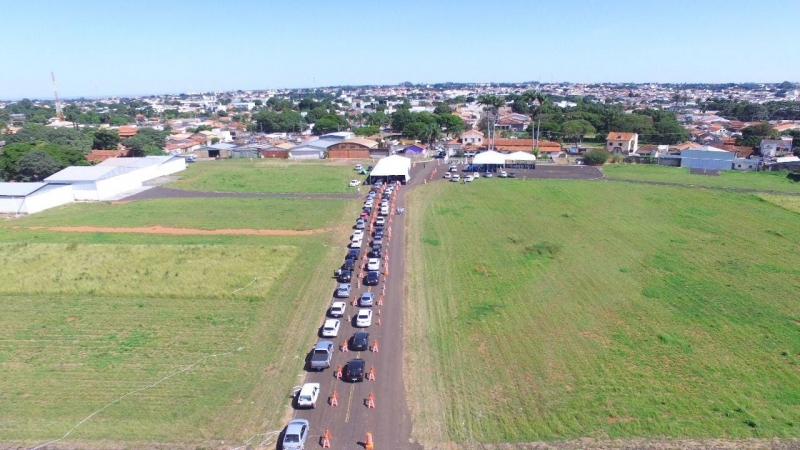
x: 182, y: 231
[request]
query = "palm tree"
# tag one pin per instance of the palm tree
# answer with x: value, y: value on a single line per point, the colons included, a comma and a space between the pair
x: 536, y: 100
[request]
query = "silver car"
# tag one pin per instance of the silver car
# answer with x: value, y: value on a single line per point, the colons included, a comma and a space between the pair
x: 296, y: 435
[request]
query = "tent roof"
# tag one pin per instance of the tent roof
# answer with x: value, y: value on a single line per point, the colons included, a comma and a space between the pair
x: 521, y: 156
x: 87, y: 173
x: 490, y: 157
x: 392, y: 165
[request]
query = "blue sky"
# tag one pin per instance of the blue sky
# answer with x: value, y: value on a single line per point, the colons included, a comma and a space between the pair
x: 149, y: 47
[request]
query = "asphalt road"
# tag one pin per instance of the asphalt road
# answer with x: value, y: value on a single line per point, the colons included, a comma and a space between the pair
x: 390, y: 422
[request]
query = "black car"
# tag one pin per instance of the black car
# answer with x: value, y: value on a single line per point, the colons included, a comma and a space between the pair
x: 372, y: 278
x: 374, y: 253
x: 345, y: 276
x: 376, y: 247
x: 512, y: 175
x: 368, y: 209
x: 360, y: 341
x: 369, y: 169
x: 378, y: 230
x: 349, y: 264
x: 354, y: 371
x: 352, y: 253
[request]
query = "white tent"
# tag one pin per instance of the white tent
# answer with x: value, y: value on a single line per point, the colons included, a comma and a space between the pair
x: 392, y: 166
x: 521, y: 156
x: 30, y: 198
x: 490, y: 157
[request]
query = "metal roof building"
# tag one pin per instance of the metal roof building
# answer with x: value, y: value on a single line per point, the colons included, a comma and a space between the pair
x: 30, y: 198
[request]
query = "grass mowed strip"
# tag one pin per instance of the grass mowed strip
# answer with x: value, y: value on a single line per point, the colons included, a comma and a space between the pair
x: 550, y: 310
x: 104, y: 315
x: 268, y: 176
x: 197, y: 213
x: 735, y: 179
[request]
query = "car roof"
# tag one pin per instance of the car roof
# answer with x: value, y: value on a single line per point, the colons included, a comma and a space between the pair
x: 373, y: 272
x: 330, y: 322
x: 295, y: 426
x: 364, y: 311
x: 309, y: 387
x: 367, y: 294
x: 323, y: 344
x: 339, y: 304
x: 361, y: 335
x: 357, y: 361
x: 344, y: 286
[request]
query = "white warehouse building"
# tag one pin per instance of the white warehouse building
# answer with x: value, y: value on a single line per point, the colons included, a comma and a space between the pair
x: 149, y: 167
x: 30, y: 198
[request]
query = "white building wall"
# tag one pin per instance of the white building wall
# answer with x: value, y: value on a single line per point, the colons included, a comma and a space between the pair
x: 113, y: 186
x: 12, y: 205
x: 49, y: 199
x: 170, y: 167
x: 85, y: 191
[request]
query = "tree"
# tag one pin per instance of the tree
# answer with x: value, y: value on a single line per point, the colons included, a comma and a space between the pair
x: 146, y: 137
x: 577, y: 129
x: 105, y: 139
x: 596, y: 157
x: 400, y: 119
x: 491, y: 102
x: 36, y: 166
x: 417, y: 130
x: 442, y: 109
x: 366, y: 131
x: 12, y: 153
x: 329, y: 123
x: 452, y: 124
x: 752, y: 135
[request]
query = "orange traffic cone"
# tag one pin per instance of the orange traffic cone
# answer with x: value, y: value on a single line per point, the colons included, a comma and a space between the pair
x: 335, y: 399
x: 371, y: 374
x: 379, y: 312
x: 379, y: 321
x: 339, y: 372
x: 374, y: 348
x: 344, y: 346
x: 369, y: 445
x: 371, y: 401
x: 326, y: 439
x: 380, y: 301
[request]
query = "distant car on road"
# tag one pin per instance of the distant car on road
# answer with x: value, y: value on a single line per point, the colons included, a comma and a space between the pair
x: 468, y: 178
x: 503, y: 174
x: 308, y: 395
x: 454, y: 168
x: 337, y: 309
x: 330, y: 328
x: 343, y: 291
x: 512, y: 175
x: 447, y: 175
x: 364, y: 318
x: 354, y: 371
x: 488, y: 175
x: 354, y: 183
x: 366, y: 299
x: 455, y: 178
x: 360, y: 341
x: 296, y: 434
x: 372, y: 278
x: 476, y: 175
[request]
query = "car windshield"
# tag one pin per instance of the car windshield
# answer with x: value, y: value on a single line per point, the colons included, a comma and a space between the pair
x: 305, y: 398
x: 292, y: 438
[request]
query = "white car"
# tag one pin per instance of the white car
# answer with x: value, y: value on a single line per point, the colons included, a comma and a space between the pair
x: 308, y: 395
x: 503, y: 174
x: 358, y: 235
x: 380, y: 221
x: 356, y: 244
x: 384, y: 203
x: 447, y: 175
x: 455, y: 178
x: 487, y: 175
x: 468, y: 178
x: 374, y: 264
x: 453, y: 168
x: 364, y: 318
x: 358, y: 167
x: 337, y: 309
x: 476, y: 175
x: 369, y: 204
x: 330, y: 328
x: 354, y: 183
x: 385, y: 211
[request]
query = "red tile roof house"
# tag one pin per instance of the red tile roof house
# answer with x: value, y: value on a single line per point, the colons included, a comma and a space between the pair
x: 622, y: 143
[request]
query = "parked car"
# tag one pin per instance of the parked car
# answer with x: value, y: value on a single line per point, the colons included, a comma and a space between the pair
x: 337, y: 309
x: 380, y: 221
x: 330, y: 328
x: 358, y: 234
x: 369, y: 204
x: 503, y: 174
x: 468, y: 178
x: 377, y: 230
x: 455, y: 178
x: 512, y: 175
x: 447, y: 175
x: 385, y: 211
x: 358, y: 167
x: 296, y: 434
x: 476, y: 175
x: 308, y: 395
x: 345, y: 276
x: 354, y: 371
x: 454, y: 168
x: 374, y: 253
x: 343, y: 291
x: 366, y: 299
x: 321, y: 355
x: 349, y: 263
x: 356, y: 244
x: 372, y: 278
x: 360, y: 341
x: 352, y: 253
x: 487, y: 175
x: 354, y: 183
x: 364, y: 318
x: 369, y: 169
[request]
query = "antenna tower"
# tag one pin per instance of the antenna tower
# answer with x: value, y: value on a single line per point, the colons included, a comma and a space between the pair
x: 59, y: 112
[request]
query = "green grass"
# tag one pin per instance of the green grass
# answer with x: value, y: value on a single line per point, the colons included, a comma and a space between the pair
x: 550, y: 310
x: 87, y: 318
x: 269, y: 176
x: 199, y: 213
x: 763, y: 181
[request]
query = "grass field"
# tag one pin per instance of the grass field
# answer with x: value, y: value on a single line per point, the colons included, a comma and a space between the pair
x: 268, y: 176
x: 88, y: 318
x: 199, y: 213
x: 763, y: 181
x: 551, y: 310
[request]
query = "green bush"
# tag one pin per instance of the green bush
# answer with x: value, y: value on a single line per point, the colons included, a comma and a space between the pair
x: 596, y: 157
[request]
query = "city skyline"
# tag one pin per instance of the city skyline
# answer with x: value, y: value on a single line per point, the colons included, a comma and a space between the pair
x: 151, y: 48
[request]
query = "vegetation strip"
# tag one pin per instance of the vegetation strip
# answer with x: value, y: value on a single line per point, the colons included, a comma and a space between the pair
x: 181, y: 231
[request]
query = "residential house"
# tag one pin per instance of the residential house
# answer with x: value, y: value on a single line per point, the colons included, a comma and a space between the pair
x: 472, y: 137
x: 622, y: 143
x: 771, y: 148
x: 127, y: 131
x: 352, y: 148
x: 415, y: 150
x: 708, y: 158
x: 653, y: 151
